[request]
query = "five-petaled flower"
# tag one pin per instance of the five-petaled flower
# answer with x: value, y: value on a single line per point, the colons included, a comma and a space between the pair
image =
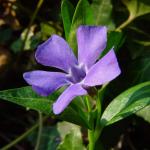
x: 77, y: 74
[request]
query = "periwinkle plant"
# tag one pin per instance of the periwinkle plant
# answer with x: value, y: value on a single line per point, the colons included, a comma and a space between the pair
x: 78, y: 75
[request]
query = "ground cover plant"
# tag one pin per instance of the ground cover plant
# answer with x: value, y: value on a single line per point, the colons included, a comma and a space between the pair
x: 74, y: 74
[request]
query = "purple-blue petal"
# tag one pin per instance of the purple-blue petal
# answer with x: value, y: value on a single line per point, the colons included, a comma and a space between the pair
x: 41, y: 91
x: 91, y: 42
x: 105, y: 70
x: 44, y: 82
x: 56, y: 52
x: 67, y: 96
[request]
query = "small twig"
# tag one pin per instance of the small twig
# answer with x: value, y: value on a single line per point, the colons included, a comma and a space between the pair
x: 21, y: 137
x: 40, y: 19
x: 40, y: 2
x: 130, y: 143
x: 8, y: 140
x: 39, y: 131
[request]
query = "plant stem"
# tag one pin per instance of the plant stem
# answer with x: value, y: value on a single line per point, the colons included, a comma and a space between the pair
x: 98, y: 127
x: 39, y: 4
x: 91, y: 140
x: 39, y: 131
x: 88, y: 104
x: 98, y: 105
x: 94, y: 134
x: 90, y: 132
x: 21, y: 137
x: 124, y: 24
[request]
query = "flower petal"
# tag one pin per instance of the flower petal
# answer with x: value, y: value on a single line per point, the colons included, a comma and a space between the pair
x: 67, y: 96
x: 105, y: 70
x: 56, y: 52
x: 44, y: 83
x: 91, y: 42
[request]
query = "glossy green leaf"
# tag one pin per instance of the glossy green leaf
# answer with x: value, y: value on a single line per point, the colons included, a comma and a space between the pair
x: 144, y: 43
x: 127, y: 103
x: 144, y: 113
x: 139, y: 70
x: 83, y: 15
x: 103, y: 13
x: 114, y: 39
x: 26, y: 97
x: 71, y: 137
x: 137, y: 7
x: 139, y: 31
x: 67, y: 11
x: 137, y: 49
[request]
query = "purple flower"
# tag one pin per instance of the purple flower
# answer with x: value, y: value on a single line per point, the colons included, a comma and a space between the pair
x: 77, y: 74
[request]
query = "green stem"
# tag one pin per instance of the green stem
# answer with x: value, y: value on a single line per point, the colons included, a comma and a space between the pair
x: 40, y: 2
x: 90, y: 132
x: 95, y: 134
x: 88, y: 104
x: 39, y: 131
x: 124, y: 24
x: 91, y: 140
x: 21, y: 137
x: 98, y: 127
x: 98, y: 105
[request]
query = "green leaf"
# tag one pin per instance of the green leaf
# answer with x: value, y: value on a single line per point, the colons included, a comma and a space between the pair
x: 137, y: 8
x: 71, y: 137
x: 67, y: 11
x: 136, y: 49
x: 16, y: 46
x: 114, y: 39
x: 83, y: 15
x: 26, y: 97
x: 139, y: 70
x: 127, y: 103
x: 139, y: 31
x: 47, y: 30
x: 103, y: 13
x: 143, y: 43
x: 144, y: 113
x: 64, y: 128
